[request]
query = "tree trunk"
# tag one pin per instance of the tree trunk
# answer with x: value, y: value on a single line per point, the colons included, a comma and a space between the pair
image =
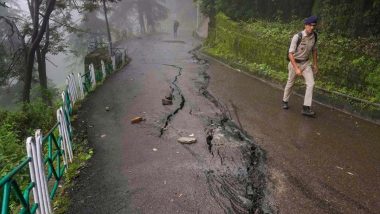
x: 28, y: 77
x: 38, y: 33
x: 41, y: 59
x: 42, y: 69
x: 150, y: 22
x: 108, y: 29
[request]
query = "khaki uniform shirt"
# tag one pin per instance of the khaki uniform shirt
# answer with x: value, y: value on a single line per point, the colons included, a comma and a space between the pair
x: 304, y: 48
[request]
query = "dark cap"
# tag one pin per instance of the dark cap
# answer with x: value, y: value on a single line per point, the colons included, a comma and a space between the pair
x: 310, y: 20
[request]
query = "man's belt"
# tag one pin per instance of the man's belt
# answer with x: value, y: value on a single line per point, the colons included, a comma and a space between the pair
x: 300, y: 61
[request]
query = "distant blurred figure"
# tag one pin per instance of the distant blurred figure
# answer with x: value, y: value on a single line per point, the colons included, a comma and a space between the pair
x: 175, y: 28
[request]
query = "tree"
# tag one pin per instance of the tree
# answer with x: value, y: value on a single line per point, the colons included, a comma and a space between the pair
x: 146, y: 12
x: 3, y: 4
x: 108, y: 29
x: 103, y: 2
x: 12, y: 48
x: 53, y: 43
x: 153, y: 11
x: 124, y: 16
x: 38, y: 32
x: 35, y: 40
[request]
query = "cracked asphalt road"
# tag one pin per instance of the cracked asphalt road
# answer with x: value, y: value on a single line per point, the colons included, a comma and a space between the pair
x: 251, y: 156
x: 141, y: 168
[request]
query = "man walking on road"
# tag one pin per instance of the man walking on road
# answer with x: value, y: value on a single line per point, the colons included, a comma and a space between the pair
x: 175, y: 28
x: 302, y: 45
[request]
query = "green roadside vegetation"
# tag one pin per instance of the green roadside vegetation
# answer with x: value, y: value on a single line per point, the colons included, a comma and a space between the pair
x: 16, y: 126
x: 346, y: 65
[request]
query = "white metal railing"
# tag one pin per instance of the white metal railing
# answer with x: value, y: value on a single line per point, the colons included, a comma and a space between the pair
x: 74, y: 92
x: 56, y: 144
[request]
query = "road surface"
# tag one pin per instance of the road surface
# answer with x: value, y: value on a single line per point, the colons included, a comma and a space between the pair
x: 250, y: 156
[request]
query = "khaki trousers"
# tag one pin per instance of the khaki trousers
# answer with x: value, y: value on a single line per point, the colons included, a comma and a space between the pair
x: 308, y: 75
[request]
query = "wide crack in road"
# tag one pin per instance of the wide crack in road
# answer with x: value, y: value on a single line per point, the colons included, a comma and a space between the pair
x: 175, y: 92
x: 238, y: 181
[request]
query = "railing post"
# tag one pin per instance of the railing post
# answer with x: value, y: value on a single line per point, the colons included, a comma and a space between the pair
x: 37, y: 173
x: 32, y: 172
x: 64, y: 133
x: 69, y: 89
x: 103, y: 69
x: 113, y: 58
x: 41, y: 204
x: 123, y: 57
x: 81, y: 88
x: 6, y: 195
x: 75, y: 85
x: 72, y: 89
x: 41, y: 167
x: 92, y: 71
x: 66, y: 102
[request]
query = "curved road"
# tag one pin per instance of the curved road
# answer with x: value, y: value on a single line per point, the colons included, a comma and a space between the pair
x: 250, y: 157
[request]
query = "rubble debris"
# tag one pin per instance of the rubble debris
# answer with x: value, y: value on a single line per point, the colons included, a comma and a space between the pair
x: 167, y: 102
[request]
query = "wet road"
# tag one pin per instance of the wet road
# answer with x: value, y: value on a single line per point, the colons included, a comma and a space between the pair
x: 141, y: 168
x: 330, y: 164
x: 290, y: 164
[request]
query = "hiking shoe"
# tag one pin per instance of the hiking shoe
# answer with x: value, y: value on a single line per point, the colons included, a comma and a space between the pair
x: 306, y: 110
x: 285, y: 105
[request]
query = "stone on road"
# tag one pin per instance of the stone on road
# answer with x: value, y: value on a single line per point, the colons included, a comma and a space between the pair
x: 187, y: 140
